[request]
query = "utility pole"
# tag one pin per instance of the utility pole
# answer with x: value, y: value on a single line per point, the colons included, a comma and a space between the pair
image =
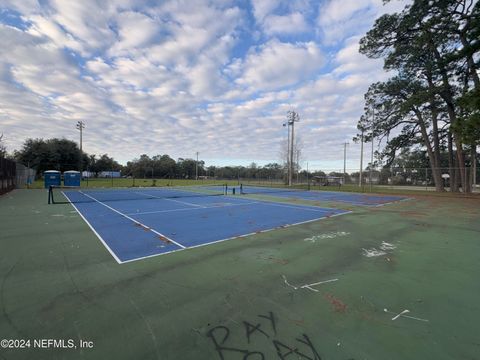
x: 344, y: 161
x: 361, y: 161
x: 292, y: 119
x: 196, y: 167
x: 290, y: 178
x: 371, y: 167
x: 80, y: 126
x: 474, y: 167
x: 287, y: 124
x: 308, y: 178
x: 371, y: 160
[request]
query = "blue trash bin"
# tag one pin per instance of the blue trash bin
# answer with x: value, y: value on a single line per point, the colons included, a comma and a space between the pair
x: 71, y: 178
x: 52, y: 178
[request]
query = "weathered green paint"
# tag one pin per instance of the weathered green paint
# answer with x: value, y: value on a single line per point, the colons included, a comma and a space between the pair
x: 57, y: 281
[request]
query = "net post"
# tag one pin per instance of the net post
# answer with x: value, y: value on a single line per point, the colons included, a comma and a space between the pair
x: 50, y: 195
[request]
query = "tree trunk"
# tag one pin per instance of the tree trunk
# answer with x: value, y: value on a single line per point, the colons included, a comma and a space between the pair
x: 451, y: 164
x: 448, y: 98
x: 474, y: 165
x: 458, y: 177
x: 436, y: 143
x: 437, y: 177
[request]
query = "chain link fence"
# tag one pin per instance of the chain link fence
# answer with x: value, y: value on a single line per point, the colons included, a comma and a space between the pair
x: 24, y: 176
x: 7, y: 175
x: 394, y: 178
x: 449, y: 179
x: 367, y: 180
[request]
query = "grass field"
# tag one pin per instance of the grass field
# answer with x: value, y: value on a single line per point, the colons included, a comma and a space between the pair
x: 322, y: 290
x: 130, y: 182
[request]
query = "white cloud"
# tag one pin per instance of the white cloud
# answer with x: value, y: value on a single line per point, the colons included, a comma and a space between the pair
x: 340, y: 20
x: 285, y: 24
x: 276, y: 65
x: 185, y: 76
x: 349, y: 59
x: 134, y: 30
x: 262, y: 8
x: 192, y: 31
x: 43, y: 27
x: 23, y: 7
x: 87, y: 20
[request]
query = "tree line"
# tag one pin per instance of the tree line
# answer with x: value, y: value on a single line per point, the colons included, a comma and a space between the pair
x: 64, y: 155
x: 432, y: 101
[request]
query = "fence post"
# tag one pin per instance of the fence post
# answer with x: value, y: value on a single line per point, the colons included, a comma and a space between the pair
x: 466, y: 181
x: 426, y: 178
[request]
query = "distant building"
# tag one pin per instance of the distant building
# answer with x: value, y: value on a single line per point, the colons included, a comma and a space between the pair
x: 109, y: 174
x: 328, y: 180
x: 87, y: 174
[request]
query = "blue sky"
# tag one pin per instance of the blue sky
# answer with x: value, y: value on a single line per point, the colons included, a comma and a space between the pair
x: 177, y: 77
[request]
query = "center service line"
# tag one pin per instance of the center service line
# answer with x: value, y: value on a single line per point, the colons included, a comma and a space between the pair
x: 135, y: 221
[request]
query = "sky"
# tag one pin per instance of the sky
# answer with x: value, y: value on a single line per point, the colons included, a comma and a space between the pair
x: 179, y: 77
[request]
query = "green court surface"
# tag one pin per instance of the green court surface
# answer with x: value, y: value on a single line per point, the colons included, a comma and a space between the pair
x: 326, y: 289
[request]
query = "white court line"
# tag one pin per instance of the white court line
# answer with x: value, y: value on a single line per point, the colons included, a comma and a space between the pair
x: 391, y: 202
x: 185, y: 202
x: 135, y: 221
x: 182, y: 247
x: 190, y: 209
x: 94, y: 231
x: 164, y: 198
x: 236, y: 237
x: 300, y: 207
x: 359, y: 203
x: 316, y: 208
x: 174, y: 200
x: 355, y: 203
x: 304, y: 207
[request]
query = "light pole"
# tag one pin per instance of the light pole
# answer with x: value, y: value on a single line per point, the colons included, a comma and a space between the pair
x: 361, y: 160
x: 80, y: 126
x: 287, y: 124
x: 344, y: 161
x: 292, y: 119
x: 371, y: 167
x: 371, y: 158
x: 308, y: 179
x: 196, y: 167
x: 474, y: 167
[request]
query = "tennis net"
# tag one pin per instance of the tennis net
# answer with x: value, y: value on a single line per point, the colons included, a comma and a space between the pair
x: 272, y: 189
x: 63, y: 195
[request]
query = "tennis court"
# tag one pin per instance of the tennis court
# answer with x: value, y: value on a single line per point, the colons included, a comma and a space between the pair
x: 391, y: 282
x: 334, y: 196
x: 135, y: 224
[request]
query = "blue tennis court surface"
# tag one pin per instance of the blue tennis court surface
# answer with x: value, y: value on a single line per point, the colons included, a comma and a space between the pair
x: 135, y: 224
x: 344, y: 197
